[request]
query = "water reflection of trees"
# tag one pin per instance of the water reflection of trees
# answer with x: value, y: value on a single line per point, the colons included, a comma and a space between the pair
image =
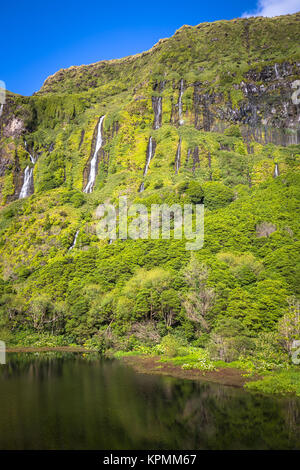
x: 65, y: 401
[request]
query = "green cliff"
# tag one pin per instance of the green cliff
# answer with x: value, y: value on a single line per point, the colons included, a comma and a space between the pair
x: 216, y: 99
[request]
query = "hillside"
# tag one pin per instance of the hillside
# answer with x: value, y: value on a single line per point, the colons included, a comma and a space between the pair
x: 214, y: 102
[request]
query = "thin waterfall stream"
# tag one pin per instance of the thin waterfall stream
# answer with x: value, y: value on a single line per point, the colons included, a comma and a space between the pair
x: 178, y: 157
x: 93, y: 165
x: 157, y: 109
x: 28, y: 187
x: 74, y: 241
x: 27, y: 184
x: 181, y: 121
x: 150, y: 154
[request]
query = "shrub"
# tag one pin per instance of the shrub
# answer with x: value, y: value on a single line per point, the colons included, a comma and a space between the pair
x: 282, y: 382
x: 195, y: 192
x: 77, y: 200
x: 233, y: 131
x: 216, y: 195
x: 170, y: 345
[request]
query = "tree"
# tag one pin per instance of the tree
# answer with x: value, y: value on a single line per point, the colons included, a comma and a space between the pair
x: 40, y: 308
x: 258, y: 307
x: 200, y: 298
x: 11, y: 309
x: 45, y: 314
x: 170, y: 306
x: 229, y: 340
x: 144, y: 290
x: 289, y: 325
x: 146, y: 332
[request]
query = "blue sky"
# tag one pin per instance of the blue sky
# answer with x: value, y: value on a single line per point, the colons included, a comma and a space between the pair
x: 39, y: 37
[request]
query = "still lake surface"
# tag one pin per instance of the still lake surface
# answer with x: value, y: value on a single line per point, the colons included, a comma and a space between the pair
x: 67, y: 401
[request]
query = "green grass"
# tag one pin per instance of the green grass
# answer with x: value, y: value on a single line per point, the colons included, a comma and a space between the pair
x: 120, y: 354
x: 283, y: 382
x: 23, y: 339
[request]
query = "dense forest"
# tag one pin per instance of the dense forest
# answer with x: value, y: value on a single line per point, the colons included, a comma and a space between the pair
x: 215, y: 103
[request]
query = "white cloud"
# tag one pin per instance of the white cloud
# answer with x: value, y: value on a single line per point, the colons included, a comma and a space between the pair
x: 274, y: 8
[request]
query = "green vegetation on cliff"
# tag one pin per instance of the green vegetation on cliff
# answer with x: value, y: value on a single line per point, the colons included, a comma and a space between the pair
x: 236, y: 125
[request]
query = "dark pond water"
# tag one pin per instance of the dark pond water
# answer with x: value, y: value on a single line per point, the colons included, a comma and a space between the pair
x: 65, y: 401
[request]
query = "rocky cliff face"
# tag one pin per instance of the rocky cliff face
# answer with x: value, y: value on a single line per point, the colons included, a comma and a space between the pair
x: 209, y: 77
x: 267, y: 111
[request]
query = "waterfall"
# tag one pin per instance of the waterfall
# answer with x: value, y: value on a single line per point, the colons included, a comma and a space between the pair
x: 148, y: 160
x: 27, y: 184
x: 28, y: 177
x: 1, y: 109
x: 149, y: 156
x: 180, y: 103
x: 276, y: 170
x: 178, y: 156
x: 157, y: 108
x: 74, y: 241
x: 33, y: 160
x: 276, y: 71
x: 94, y: 160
